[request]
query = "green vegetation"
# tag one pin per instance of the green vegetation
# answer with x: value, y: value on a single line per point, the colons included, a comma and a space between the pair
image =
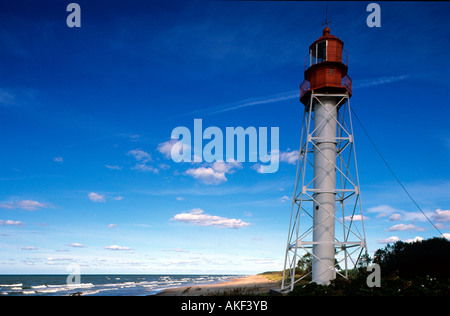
x: 419, y: 268
x: 273, y: 275
x: 250, y: 291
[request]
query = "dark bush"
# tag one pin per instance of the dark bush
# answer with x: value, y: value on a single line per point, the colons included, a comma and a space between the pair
x: 407, y: 269
x: 429, y: 257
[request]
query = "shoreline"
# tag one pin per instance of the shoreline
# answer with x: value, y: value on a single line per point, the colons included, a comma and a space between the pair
x: 249, y: 285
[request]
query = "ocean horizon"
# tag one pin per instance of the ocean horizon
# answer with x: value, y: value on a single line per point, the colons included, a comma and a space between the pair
x: 102, y: 284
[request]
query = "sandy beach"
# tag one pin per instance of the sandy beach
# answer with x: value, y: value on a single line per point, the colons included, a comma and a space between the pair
x: 249, y: 285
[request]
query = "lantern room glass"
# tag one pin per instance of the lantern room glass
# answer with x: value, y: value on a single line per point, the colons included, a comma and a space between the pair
x: 318, y: 53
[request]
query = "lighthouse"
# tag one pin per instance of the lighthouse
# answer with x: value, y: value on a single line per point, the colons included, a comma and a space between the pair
x: 326, y: 215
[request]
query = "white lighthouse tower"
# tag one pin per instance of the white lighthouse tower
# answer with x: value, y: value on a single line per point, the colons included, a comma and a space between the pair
x: 326, y: 215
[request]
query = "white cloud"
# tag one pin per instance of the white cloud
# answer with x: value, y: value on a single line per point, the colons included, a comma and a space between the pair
x: 394, y: 214
x: 216, y: 173
x: 142, y: 158
x: 284, y: 198
x: 58, y: 159
x: 140, y: 155
x: 8, y: 205
x: 395, y: 217
x: 438, y: 216
x: 207, y: 175
x: 261, y: 261
x: 165, y: 148
x: 290, y: 157
x: 163, y: 166
x: 133, y: 137
x: 261, y: 168
x: 403, y: 227
x: 59, y: 259
x: 441, y: 216
x: 95, y: 197
x: 116, y: 247
x: 389, y: 240
x: 417, y: 238
x: 366, y: 83
x: 383, y: 210
x: 30, y: 205
x: 112, y: 225
x: 76, y: 245
x: 277, y: 156
x: 6, y: 97
x: 113, y: 167
x: 356, y: 218
x: 11, y: 223
x: 198, y: 217
x: 287, y: 95
x: 394, y: 239
x: 175, y: 250
x: 416, y: 216
x: 128, y: 262
x: 145, y: 168
x: 226, y: 167
x: 179, y: 198
x: 387, y: 209
x: 29, y: 248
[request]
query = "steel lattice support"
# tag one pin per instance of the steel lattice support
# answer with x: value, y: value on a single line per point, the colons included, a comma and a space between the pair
x: 326, y: 216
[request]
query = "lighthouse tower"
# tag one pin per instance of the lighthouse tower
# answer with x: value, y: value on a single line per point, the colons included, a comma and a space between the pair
x: 326, y: 231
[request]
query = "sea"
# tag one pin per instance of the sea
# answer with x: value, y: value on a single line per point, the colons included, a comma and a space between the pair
x: 101, y: 284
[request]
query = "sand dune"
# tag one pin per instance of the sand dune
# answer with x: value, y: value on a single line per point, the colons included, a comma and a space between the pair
x: 249, y: 285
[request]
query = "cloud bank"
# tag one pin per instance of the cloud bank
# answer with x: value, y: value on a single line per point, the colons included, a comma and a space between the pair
x: 198, y: 217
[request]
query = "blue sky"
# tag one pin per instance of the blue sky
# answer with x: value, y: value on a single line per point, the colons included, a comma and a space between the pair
x: 86, y: 115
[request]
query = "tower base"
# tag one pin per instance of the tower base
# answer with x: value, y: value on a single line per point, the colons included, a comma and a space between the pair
x: 326, y: 232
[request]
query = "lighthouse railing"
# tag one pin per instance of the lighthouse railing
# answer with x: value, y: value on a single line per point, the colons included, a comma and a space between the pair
x: 347, y: 82
x: 304, y: 87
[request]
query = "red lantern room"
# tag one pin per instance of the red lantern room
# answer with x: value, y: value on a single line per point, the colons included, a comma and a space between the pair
x: 326, y: 68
